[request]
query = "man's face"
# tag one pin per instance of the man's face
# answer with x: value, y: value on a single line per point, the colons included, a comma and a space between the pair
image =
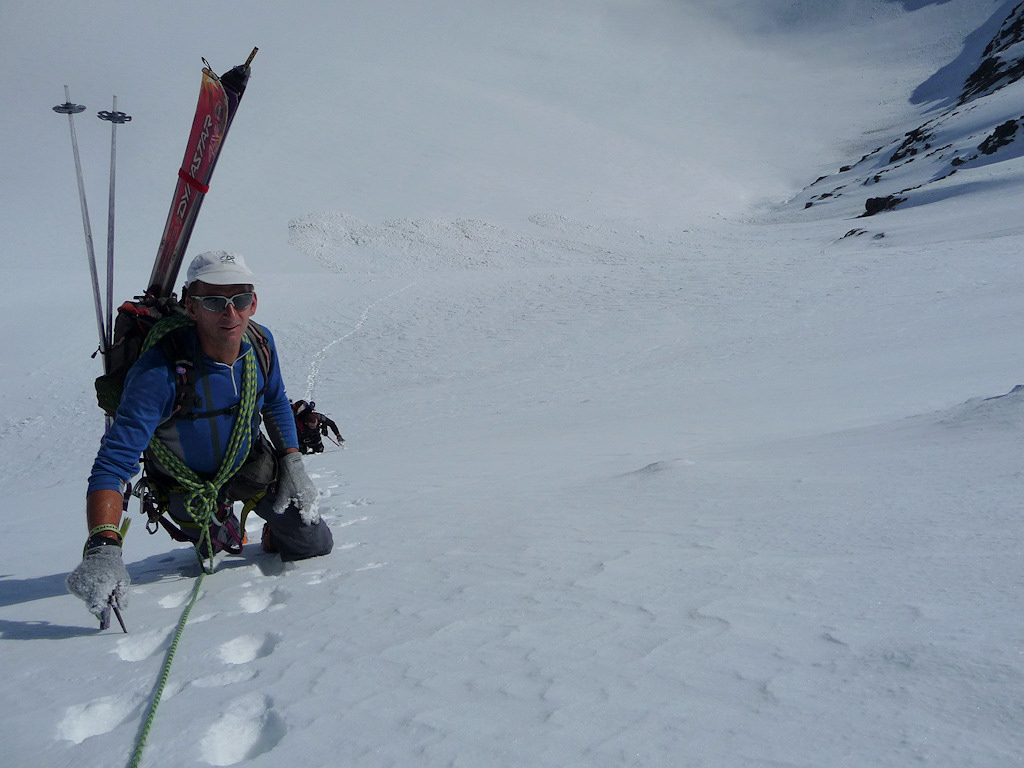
x: 224, y: 327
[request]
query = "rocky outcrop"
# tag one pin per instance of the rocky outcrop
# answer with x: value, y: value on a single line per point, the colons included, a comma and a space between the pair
x: 1001, y: 62
x: 955, y: 141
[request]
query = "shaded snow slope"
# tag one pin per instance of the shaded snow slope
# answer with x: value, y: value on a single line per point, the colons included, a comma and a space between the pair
x: 972, y: 133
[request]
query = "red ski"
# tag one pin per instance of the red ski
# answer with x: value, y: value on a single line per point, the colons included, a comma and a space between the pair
x: 218, y: 101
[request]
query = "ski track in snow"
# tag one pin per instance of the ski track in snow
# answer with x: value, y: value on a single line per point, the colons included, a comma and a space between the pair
x: 314, y: 364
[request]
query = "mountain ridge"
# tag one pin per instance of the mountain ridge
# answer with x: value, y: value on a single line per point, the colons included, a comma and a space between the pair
x: 977, y: 130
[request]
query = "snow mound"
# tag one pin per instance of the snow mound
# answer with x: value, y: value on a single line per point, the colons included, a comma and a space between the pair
x: 344, y: 243
x: 1002, y: 411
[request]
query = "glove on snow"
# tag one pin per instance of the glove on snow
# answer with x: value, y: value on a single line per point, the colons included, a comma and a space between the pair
x: 295, y: 487
x: 101, y: 579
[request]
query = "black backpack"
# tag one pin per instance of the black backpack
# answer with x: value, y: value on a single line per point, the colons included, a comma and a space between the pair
x: 135, y: 319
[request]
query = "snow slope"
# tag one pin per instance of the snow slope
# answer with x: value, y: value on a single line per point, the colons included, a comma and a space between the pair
x: 648, y: 464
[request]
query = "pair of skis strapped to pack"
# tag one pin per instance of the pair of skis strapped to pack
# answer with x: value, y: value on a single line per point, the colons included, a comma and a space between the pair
x: 219, y: 98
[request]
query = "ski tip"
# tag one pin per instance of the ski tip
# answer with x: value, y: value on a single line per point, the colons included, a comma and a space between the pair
x: 251, y: 56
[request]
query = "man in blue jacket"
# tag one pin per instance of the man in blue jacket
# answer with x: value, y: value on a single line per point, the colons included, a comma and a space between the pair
x: 216, y: 456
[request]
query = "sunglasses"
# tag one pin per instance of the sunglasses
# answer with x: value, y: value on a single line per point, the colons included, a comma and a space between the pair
x: 240, y: 301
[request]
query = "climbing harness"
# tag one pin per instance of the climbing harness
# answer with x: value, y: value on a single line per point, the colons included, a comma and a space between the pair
x: 201, y: 500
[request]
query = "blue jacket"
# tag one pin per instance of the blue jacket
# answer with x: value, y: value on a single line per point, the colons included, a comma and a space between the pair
x: 148, y: 401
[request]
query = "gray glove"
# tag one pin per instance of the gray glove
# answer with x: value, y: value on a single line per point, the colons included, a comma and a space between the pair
x: 295, y: 487
x: 101, y: 579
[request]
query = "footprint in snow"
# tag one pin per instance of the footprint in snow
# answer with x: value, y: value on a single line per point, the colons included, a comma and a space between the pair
x: 221, y: 679
x: 248, y: 728
x: 316, y: 577
x: 218, y: 680
x: 248, y: 648
x: 325, y: 575
x: 176, y: 600
x: 263, y: 600
x: 97, y: 717
x: 137, y: 647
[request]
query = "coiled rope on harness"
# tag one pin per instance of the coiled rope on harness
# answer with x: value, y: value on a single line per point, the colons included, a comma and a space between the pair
x: 201, y: 495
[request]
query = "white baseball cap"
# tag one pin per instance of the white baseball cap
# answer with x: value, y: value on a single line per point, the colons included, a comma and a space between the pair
x: 219, y: 268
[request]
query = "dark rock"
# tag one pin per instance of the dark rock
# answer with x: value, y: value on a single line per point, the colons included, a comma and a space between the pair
x: 909, y: 146
x: 875, y: 205
x: 1001, y: 136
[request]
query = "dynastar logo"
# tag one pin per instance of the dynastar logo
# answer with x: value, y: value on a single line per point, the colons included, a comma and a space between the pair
x: 204, y: 137
x: 183, y: 201
x: 197, y: 159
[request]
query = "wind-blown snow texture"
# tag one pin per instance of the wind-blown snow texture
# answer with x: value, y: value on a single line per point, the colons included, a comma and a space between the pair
x: 650, y: 462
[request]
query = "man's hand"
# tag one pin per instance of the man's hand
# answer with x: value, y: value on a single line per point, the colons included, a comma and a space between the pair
x: 295, y: 487
x: 101, y: 579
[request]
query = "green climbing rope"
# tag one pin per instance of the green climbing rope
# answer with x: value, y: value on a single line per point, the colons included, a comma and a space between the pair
x: 140, y: 743
x: 201, y: 498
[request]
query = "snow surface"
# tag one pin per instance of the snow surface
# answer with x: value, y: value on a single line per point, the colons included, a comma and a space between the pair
x: 645, y: 466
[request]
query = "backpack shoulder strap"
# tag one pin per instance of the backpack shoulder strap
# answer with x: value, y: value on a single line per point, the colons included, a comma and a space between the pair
x: 171, y: 338
x: 261, y: 345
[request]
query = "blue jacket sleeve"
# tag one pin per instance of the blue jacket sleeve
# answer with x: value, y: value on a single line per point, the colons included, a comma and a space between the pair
x: 277, y: 409
x: 148, y: 400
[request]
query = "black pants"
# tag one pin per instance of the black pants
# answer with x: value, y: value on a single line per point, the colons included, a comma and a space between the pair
x: 295, y: 540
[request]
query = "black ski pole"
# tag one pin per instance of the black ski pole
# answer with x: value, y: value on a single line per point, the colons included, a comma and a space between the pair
x: 105, y: 617
x: 117, y: 612
x: 70, y: 109
x: 115, y: 118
